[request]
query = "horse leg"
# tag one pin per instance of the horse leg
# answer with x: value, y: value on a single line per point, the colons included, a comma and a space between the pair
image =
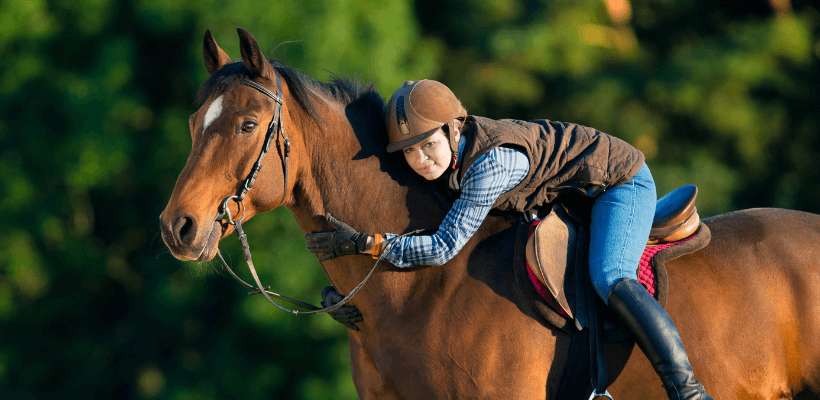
x: 369, y: 383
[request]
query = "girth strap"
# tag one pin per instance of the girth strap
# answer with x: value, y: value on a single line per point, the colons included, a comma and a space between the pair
x: 597, y: 352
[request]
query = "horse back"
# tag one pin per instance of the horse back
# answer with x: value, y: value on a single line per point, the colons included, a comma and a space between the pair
x: 747, y: 307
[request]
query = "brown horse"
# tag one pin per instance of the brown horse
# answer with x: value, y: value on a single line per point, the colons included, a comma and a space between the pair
x: 747, y: 306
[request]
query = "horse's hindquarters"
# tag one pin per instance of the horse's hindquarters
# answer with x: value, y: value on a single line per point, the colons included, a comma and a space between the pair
x: 747, y: 308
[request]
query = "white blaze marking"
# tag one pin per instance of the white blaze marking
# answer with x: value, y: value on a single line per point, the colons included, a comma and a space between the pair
x: 214, y: 110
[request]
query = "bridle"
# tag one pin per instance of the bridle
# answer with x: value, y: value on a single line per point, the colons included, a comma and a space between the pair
x: 275, y: 128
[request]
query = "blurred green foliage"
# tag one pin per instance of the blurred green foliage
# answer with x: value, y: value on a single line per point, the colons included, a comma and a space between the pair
x: 94, y: 100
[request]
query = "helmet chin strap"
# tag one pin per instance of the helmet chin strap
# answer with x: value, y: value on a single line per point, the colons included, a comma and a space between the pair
x: 452, y: 134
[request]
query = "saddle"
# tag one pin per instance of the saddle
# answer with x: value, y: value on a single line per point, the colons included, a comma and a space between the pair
x: 552, y: 273
x: 556, y: 267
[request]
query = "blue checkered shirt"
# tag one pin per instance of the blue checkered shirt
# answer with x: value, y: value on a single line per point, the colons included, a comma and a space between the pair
x: 493, y: 174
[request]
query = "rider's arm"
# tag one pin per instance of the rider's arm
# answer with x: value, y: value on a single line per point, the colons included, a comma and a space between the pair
x: 491, y: 175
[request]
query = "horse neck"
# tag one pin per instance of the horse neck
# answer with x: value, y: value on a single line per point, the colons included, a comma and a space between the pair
x: 344, y: 171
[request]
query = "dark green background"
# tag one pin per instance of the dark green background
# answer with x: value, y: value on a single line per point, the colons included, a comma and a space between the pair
x: 94, y: 101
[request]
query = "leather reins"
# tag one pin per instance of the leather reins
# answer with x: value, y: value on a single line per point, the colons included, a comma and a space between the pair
x: 275, y: 128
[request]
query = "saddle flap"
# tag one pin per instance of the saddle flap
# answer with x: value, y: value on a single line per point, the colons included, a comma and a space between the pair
x: 550, y: 248
x: 564, y: 304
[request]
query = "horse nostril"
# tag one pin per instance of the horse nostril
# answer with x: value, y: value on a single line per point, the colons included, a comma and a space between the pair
x: 185, y: 229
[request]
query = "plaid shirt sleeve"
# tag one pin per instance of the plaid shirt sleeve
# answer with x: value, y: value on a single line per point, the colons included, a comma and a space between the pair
x: 493, y: 174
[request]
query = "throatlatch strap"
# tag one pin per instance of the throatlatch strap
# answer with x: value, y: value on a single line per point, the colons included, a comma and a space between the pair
x: 576, y: 369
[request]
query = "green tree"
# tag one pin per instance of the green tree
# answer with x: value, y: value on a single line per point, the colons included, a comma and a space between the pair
x: 94, y: 101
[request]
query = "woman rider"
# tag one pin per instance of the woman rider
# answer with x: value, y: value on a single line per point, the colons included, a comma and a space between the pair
x: 515, y: 165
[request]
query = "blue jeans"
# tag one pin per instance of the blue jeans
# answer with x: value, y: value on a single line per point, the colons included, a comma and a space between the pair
x: 621, y: 221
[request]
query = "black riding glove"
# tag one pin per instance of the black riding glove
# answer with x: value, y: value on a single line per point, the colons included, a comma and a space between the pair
x: 346, y: 315
x: 343, y: 241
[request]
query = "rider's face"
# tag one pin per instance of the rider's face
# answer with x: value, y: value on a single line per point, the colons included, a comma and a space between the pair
x: 430, y: 157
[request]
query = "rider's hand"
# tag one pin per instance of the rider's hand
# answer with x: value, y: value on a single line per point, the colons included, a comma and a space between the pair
x: 343, y: 241
x: 345, y: 315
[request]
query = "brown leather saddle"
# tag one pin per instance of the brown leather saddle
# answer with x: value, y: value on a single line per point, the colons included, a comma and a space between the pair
x: 557, y: 249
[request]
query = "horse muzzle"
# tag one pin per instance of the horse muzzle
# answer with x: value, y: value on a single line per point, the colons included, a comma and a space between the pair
x: 187, y: 239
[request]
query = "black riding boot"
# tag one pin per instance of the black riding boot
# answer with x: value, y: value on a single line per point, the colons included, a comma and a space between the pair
x: 657, y: 336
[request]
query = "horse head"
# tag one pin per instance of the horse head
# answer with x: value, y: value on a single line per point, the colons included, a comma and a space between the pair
x: 228, y: 133
x: 335, y: 159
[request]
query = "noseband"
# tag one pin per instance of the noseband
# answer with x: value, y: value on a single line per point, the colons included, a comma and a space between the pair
x: 275, y: 128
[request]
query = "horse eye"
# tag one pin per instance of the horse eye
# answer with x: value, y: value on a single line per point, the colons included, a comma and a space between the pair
x: 248, y: 127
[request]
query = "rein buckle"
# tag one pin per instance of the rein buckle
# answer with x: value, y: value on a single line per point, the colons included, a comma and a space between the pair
x: 225, y: 215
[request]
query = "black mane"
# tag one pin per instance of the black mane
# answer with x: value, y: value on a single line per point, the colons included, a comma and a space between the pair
x: 341, y: 90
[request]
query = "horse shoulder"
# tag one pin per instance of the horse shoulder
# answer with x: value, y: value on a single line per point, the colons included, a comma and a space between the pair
x: 462, y: 330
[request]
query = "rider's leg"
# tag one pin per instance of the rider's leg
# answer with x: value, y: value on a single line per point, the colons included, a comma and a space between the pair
x: 620, y: 225
x: 619, y: 228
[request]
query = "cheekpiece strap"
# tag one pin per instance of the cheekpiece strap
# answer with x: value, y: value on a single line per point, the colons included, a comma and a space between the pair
x: 274, y: 123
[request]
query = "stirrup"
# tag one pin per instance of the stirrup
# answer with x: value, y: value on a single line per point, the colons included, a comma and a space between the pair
x: 604, y: 394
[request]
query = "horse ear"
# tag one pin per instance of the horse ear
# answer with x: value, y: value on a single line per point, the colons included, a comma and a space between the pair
x: 252, y: 56
x: 215, y: 58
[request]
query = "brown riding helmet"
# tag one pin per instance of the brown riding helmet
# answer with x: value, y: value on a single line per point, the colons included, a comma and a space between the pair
x: 417, y: 110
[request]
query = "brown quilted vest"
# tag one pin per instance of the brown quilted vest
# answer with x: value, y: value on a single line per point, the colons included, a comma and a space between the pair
x: 565, y: 159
